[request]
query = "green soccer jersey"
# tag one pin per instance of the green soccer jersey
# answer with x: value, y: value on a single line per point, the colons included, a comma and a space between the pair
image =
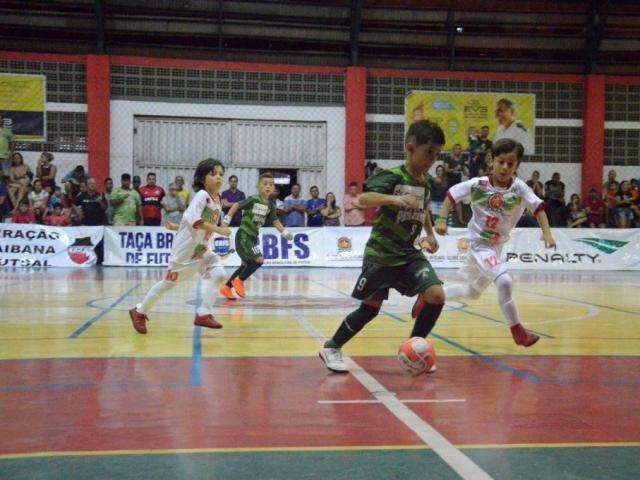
x: 395, y: 230
x: 254, y: 214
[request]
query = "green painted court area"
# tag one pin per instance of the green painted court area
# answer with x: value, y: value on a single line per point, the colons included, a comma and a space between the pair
x: 618, y: 463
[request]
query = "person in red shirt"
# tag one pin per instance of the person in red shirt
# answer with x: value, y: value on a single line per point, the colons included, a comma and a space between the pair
x: 58, y: 218
x: 595, y: 208
x: 151, y: 195
x: 23, y: 214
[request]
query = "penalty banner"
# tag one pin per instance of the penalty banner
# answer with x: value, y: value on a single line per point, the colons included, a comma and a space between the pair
x: 22, y: 106
x: 44, y: 246
x: 578, y: 249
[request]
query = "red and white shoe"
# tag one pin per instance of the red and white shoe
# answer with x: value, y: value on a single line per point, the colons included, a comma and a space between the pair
x: 207, y: 321
x: 238, y: 287
x: 228, y: 292
x: 139, y: 320
x: 522, y: 336
x: 417, y: 307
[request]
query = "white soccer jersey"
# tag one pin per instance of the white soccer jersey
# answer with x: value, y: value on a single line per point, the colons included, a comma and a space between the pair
x: 518, y: 132
x: 496, y: 210
x: 191, y: 243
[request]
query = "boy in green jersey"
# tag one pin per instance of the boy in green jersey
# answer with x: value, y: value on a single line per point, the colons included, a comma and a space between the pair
x: 255, y: 211
x: 393, y: 255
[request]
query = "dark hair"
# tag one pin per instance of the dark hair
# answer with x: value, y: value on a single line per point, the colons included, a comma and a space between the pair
x: 326, y: 198
x: 297, y: 185
x: 262, y: 175
x: 423, y: 132
x: 108, y: 179
x: 507, y: 145
x: 151, y: 173
x: 204, y: 168
x: 353, y: 184
x: 506, y: 102
x: 484, y: 126
x: 48, y: 155
x: 314, y: 186
x: 125, y: 176
x: 19, y: 155
x: 37, y: 180
x: 232, y: 177
x: 78, y: 169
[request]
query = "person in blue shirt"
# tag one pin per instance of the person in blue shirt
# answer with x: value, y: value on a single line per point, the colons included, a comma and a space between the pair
x: 295, y: 207
x: 314, y: 205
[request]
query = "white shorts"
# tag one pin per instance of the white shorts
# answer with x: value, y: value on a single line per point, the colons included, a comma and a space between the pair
x: 178, y: 272
x: 483, y: 265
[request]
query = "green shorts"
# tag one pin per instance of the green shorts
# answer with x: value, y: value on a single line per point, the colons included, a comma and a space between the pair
x: 247, y: 247
x: 411, y: 279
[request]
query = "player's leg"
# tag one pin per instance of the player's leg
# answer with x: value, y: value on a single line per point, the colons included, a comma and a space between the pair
x: 251, y: 267
x: 522, y: 336
x: 139, y: 313
x: 249, y: 252
x: 211, y: 275
x: 476, y: 281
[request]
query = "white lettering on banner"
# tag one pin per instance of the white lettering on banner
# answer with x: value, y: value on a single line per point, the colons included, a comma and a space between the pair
x: 344, y: 247
x: 44, y: 246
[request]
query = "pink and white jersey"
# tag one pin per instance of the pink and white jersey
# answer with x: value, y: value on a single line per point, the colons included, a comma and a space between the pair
x: 496, y: 210
x: 191, y: 243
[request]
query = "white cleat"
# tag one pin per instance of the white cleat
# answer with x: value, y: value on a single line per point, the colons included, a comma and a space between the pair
x: 332, y: 358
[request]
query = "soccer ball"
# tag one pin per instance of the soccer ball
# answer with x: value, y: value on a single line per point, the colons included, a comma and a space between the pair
x: 417, y: 355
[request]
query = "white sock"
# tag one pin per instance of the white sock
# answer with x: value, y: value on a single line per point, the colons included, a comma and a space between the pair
x: 211, y: 281
x: 504, y: 284
x: 153, y: 295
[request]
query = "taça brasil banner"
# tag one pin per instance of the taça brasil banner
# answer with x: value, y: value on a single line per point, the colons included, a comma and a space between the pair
x: 463, y: 114
x: 22, y: 106
x: 43, y: 246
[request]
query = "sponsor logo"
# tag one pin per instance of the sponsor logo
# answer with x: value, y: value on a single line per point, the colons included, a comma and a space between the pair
x: 463, y: 245
x: 475, y: 110
x: 530, y: 257
x: 344, y: 244
x: 496, y: 202
x: 81, y: 251
x: 604, y: 245
x: 442, y: 105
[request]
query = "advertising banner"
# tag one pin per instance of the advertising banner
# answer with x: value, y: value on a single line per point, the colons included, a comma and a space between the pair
x: 44, y: 246
x: 462, y: 115
x: 22, y: 106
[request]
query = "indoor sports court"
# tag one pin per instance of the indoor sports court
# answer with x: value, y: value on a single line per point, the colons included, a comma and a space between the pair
x: 159, y: 159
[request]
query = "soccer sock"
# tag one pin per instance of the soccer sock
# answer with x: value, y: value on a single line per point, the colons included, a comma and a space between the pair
x: 210, y: 282
x: 249, y: 270
x: 504, y: 284
x: 426, y: 320
x: 235, y: 274
x: 352, y: 324
x: 153, y: 295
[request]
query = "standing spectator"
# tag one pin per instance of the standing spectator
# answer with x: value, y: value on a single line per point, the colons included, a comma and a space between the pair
x: 5, y: 202
x: 577, y: 215
x: 295, y: 207
x: 331, y: 212
x: 23, y: 214
x: 173, y: 206
x: 106, y: 195
x: 453, y: 166
x: 20, y: 176
x: 485, y: 143
x: 554, y: 197
x: 231, y: 196
x: 182, y: 191
x: 126, y: 203
x: 473, y: 138
x: 536, y: 185
x: 595, y: 208
x: 137, y: 181
x: 510, y: 127
x: 46, y: 172
x: 353, y: 211
x: 314, y: 206
x: 439, y: 189
x: 151, y: 196
x: 280, y: 213
x: 57, y: 218
x: 38, y: 199
x: 624, y: 212
x: 91, y: 205
x: 7, y: 145
x: 611, y: 184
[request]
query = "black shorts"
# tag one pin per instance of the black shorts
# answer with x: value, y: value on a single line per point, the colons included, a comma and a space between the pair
x: 411, y: 279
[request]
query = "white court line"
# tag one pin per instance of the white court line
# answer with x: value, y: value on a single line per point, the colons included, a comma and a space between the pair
x: 457, y: 460
x: 593, y: 311
x: 409, y: 400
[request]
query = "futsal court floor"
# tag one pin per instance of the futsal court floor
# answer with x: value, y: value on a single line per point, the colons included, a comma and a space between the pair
x: 82, y: 396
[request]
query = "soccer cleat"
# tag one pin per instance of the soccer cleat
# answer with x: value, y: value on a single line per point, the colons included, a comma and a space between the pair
x: 332, y: 358
x: 207, y: 321
x: 522, y: 336
x: 238, y: 286
x: 139, y: 320
x: 432, y: 369
x: 417, y: 307
x: 228, y: 292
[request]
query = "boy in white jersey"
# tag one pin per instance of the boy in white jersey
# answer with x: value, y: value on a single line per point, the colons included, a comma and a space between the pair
x: 191, y: 252
x: 497, y: 202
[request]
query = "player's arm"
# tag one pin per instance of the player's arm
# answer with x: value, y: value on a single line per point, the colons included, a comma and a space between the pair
x: 283, y: 231
x: 543, y: 221
x: 226, y: 221
x: 430, y: 243
x: 375, y: 199
x: 441, y: 223
x: 212, y: 228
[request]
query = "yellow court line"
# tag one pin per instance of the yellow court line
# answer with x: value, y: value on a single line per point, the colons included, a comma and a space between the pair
x: 89, y: 453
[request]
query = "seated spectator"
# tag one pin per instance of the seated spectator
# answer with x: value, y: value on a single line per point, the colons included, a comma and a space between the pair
x: 314, y: 207
x: 56, y: 197
x: 295, y: 207
x: 353, y: 211
x: 74, y: 178
x: 38, y: 200
x: 151, y: 196
x: 331, y: 212
x: 5, y: 202
x: 23, y: 214
x: 611, y: 184
x: 91, y: 205
x: 439, y: 189
x: 577, y: 215
x: 106, y: 195
x: 58, y: 218
x: 46, y: 172
x: 173, y: 206
x: 536, y: 185
x: 182, y: 191
x: 595, y: 208
x: 453, y: 166
x: 527, y: 220
x: 229, y: 197
x: 126, y: 203
x: 20, y: 176
x: 624, y: 213
x: 554, y: 197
